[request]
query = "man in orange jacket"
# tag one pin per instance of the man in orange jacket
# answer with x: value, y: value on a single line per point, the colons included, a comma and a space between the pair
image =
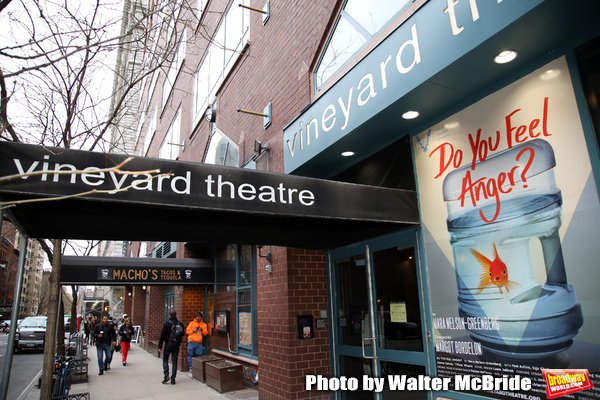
x: 195, y: 332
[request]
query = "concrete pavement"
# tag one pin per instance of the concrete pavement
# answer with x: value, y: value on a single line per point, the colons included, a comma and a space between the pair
x: 141, y: 380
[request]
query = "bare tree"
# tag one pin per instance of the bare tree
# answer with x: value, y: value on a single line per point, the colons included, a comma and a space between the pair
x: 54, y: 80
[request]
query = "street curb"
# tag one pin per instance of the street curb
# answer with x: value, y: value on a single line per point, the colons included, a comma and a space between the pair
x: 29, y: 387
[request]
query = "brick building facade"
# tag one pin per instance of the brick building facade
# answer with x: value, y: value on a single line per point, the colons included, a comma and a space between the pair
x: 422, y: 55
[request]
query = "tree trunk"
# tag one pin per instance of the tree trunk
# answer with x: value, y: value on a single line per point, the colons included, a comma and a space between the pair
x: 73, y: 327
x: 60, y: 324
x: 55, y: 293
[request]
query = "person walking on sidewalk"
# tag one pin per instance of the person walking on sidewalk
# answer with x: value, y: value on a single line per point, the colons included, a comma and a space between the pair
x: 171, y: 336
x: 196, y: 330
x: 104, y: 334
x: 86, y: 329
x: 126, y: 332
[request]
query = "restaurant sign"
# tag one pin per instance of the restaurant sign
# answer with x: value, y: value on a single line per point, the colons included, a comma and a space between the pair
x: 123, y: 271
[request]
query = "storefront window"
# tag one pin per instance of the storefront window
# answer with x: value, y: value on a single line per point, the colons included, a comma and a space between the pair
x: 236, y: 293
x: 169, y: 300
x: 226, y: 268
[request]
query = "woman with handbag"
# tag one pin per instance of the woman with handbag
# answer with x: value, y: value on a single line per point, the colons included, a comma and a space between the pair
x: 126, y: 332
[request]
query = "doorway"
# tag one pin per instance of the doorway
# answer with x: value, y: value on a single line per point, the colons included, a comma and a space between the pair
x: 378, y: 312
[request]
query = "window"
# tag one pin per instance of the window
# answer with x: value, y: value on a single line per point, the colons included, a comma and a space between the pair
x: 174, y: 69
x: 245, y: 317
x: 357, y: 25
x: 169, y: 300
x: 169, y: 149
x: 221, y: 151
x: 236, y: 274
x: 225, y: 48
x: 200, y: 7
x: 139, y: 127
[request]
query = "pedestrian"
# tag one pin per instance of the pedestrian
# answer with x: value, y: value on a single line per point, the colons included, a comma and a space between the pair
x: 171, y: 335
x: 94, y: 325
x: 104, y: 334
x: 196, y: 330
x: 111, y: 321
x: 125, y: 332
x: 86, y: 329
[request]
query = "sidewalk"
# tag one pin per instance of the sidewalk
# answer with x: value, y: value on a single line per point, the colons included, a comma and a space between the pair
x: 141, y: 380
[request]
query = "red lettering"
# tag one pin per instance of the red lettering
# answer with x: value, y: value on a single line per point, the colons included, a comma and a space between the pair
x: 521, y: 133
x: 532, y: 126
x: 488, y: 188
x: 454, y: 157
x: 545, y: 118
x: 509, y: 128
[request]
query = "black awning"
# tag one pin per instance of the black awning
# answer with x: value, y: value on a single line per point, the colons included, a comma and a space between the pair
x: 197, y: 203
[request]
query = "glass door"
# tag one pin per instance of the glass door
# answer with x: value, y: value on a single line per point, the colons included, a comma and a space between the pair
x: 378, y: 309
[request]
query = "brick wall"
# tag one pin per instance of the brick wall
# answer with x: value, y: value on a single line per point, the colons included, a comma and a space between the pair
x: 297, y: 286
x: 192, y: 301
x: 138, y: 307
x: 155, y: 303
x: 274, y: 69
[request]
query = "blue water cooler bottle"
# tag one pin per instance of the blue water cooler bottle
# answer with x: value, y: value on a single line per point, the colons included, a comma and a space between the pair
x: 503, y: 219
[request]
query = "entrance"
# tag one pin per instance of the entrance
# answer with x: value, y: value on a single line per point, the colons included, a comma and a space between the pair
x: 378, y: 314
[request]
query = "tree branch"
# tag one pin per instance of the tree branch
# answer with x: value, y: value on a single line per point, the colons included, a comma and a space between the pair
x: 8, y: 204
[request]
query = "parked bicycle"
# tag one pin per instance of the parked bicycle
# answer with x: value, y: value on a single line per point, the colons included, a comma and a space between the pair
x: 61, y: 376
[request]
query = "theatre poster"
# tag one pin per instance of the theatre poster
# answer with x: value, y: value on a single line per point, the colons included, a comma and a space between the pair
x: 511, y: 226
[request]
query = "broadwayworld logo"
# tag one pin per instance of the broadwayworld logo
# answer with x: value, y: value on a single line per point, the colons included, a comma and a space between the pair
x: 560, y: 382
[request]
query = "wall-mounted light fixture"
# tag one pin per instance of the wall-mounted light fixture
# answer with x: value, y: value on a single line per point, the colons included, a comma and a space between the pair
x: 266, y: 114
x: 258, y: 147
x: 266, y: 10
x: 182, y: 145
x: 211, y: 113
x: 269, y: 267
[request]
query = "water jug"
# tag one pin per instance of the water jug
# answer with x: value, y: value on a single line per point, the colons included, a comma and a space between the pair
x: 503, y: 218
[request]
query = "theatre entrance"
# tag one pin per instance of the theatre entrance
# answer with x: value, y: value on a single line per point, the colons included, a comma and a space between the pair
x: 378, y: 314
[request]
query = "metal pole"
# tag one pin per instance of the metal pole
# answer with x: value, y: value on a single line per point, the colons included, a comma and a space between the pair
x: 10, y: 345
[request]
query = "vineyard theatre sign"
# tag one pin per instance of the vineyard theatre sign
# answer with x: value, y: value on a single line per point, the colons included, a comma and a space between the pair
x: 193, y: 202
x: 435, y: 34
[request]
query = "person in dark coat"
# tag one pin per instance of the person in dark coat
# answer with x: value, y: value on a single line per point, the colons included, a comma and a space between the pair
x: 126, y: 332
x: 172, y: 343
x: 106, y: 337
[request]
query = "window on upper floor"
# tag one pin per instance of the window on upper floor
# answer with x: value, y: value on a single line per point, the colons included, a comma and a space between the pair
x: 357, y: 25
x: 221, y: 151
x: 174, y: 68
x: 170, y: 147
x: 149, y: 133
x: 225, y: 48
x: 200, y: 6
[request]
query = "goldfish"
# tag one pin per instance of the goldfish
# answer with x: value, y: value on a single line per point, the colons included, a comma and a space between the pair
x: 494, y: 273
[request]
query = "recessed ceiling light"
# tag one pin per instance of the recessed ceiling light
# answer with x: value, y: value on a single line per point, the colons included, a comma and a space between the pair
x: 451, y: 125
x: 348, y: 153
x: 410, y: 115
x: 505, y: 56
